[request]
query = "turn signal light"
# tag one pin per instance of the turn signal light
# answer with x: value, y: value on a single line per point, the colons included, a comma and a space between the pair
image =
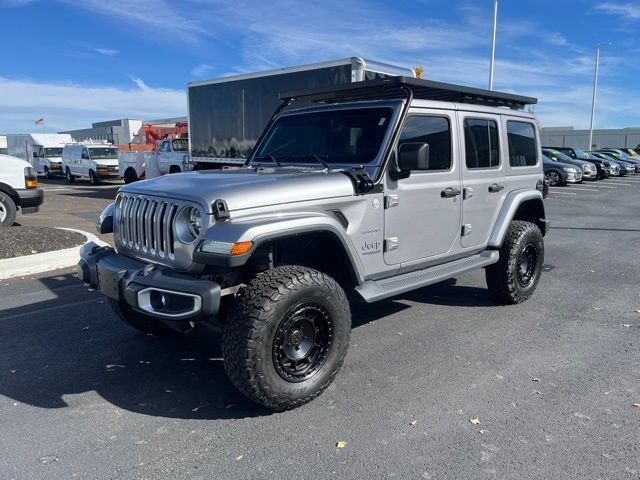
x: 32, y: 183
x: 241, y: 248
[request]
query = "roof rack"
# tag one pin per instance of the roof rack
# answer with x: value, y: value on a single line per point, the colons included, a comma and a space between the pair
x: 396, y: 87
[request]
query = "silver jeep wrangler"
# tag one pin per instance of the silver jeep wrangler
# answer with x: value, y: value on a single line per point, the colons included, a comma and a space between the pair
x: 375, y: 189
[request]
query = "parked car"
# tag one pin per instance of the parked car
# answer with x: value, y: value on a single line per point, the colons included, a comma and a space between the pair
x: 363, y: 196
x: 631, y: 152
x: 626, y: 167
x: 558, y: 173
x: 603, y: 166
x: 588, y: 169
x: 95, y: 161
x: 620, y: 155
x: 19, y: 189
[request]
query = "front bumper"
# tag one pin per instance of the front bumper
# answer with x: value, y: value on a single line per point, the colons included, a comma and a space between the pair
x: 31, y: 199
x: 56, y: 169
x: 151, y: 289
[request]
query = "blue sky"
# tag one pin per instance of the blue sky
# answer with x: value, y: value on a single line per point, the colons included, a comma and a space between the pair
x: 77, y: 62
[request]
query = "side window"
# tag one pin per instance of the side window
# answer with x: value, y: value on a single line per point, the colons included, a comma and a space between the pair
x: 85, y: 153
x: 522, y: 144
x: 481, y: 143
x: 434, y: 131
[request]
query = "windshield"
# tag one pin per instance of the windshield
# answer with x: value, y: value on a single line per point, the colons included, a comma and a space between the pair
x: 53, y: 152
x: 558, y: 156
x: 180, y: 145
x: 103, y: 153
x: 581, y: 154
x: 338, y: 136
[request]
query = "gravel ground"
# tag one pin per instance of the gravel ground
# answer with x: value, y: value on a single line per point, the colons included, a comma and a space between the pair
x: 20, y: 241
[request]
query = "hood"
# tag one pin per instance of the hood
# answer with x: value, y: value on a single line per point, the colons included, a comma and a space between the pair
x: 13, y: 161
x: 247, y: 188
x: 551, y: 164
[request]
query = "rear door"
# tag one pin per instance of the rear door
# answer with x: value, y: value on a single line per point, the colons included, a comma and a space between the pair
x: 483, y: 176
x: 422, y: 212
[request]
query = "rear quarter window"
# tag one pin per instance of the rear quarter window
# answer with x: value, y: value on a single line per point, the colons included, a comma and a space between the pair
x: 523, y: 149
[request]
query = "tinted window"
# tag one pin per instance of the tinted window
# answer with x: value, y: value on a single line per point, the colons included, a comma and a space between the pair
x: 340, y: 136
x: 481, y: 143
x: 522, y: 144
x: 434, y: 131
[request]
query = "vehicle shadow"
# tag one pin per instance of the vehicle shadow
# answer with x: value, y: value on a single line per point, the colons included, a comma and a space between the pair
x: 72, y: 344
x: 103, y: 192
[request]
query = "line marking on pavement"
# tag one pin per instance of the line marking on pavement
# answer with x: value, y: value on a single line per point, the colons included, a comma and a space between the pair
x: 615, y: 183
x: 604, y: 186
x: 562, y: 193
x: 578, y: 189
x: 49, y: 309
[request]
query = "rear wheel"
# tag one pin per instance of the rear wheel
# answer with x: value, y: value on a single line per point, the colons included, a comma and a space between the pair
x: 70, y: 178
x: 7, y: 210
x: 93, y: 178
x: 138, y: 320
x: 286, y: 336
x: 514, y: 278
x: 130, y: 176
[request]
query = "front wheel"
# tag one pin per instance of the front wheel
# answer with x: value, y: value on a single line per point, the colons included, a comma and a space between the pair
x: 70, y: 178
x: 515, y: 276
x: 7, y: 210
x: 93, y: 178
x: 286, y: 336
x: 554, y: 177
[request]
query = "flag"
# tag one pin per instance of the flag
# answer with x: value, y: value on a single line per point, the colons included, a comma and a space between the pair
x: 40, y: 121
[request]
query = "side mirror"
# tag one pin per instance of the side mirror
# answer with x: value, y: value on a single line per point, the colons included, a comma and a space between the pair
x: 413, y: 156
x: 35, y: 154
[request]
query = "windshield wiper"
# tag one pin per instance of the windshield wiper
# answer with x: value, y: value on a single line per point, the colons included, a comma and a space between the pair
x: 269, y: 157
x: 313, y: 156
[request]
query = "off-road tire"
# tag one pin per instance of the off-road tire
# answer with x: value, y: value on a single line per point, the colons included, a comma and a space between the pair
x: 7, y: 210
x: 137, y: 320
x: 256, y: 318
x: 503, y: 278
x: 94, y: 178
x: 70, y: 178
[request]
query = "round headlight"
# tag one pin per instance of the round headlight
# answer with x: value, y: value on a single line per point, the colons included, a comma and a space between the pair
x: 194, y: 218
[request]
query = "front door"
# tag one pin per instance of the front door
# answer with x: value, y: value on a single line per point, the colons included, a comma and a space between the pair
x: 422, y: 212
x: 483, y: 178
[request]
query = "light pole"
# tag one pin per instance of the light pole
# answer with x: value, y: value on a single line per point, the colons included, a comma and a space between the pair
x: 493, y: 42
x: 595, y: 89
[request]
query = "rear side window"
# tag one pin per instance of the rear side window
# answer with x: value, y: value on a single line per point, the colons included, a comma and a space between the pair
x: 481, y: 143
x: 522, y: 144
x: 434, y: 131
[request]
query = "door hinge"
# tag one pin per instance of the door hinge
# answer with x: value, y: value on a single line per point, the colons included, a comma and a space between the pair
x: 466, y: 229
x: 391, y: 244
x: 391, y: 201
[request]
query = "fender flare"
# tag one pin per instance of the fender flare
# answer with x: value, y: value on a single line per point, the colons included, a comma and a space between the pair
x: 509, y: 208
x: 9, y: 190
x: 264, y: 229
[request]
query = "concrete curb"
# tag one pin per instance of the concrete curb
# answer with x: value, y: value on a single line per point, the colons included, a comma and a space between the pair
x: 44, y: 262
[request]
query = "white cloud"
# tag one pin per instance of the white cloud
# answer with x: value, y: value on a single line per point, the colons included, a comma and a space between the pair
x: 629, y: 11
x: 201, y: 70
x: 70, y: 105
x: 106, y: 51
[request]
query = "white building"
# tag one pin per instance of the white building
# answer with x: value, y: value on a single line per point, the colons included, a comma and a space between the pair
x: 602, y: 138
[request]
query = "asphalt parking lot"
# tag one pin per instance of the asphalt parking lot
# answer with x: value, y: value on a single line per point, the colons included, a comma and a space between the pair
x: 552, y: 381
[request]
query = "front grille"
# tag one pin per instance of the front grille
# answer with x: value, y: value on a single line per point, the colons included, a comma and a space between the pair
x: 145, y: 225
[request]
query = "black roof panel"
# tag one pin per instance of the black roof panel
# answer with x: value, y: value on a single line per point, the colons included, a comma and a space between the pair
x: 395, y: 87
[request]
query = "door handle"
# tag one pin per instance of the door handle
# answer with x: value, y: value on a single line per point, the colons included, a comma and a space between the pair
x: 495, y: 188
x: 450, y: 192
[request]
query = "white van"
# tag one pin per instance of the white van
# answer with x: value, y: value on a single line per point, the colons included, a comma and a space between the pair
x: 95, y: 161
x: 18, y: 189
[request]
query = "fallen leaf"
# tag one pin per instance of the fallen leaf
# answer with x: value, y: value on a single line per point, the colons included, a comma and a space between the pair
x: 240, y: 457
x: 399, y: 333
x: 637, y: 405
x: 627, y: 325
x: 637, y: 311
x: 535, y: 379
x: 483, y: 431
x: 341, y: 444
x: 13, y: 370
x: 537, y: 392
x: 34, y: 251
x: 413, y: 423
x: 187, y: 359
x: 85, y: 328
x: 475, y: 421
x: 199, y: 407
x: 15, y: 404
x: 597, y: 308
